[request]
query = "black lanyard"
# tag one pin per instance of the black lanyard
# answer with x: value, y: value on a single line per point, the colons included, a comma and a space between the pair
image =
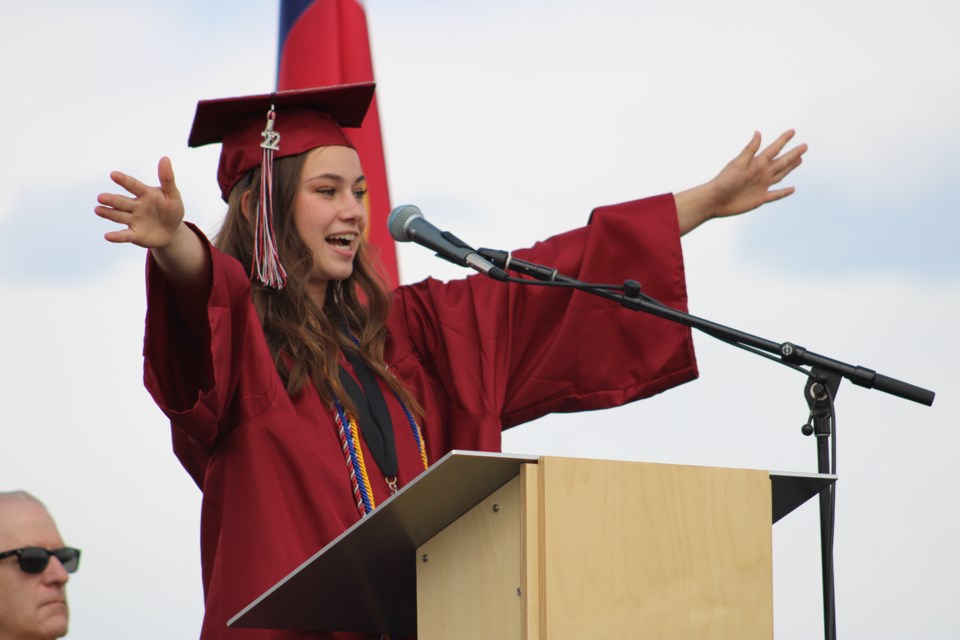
x: 375, y: 423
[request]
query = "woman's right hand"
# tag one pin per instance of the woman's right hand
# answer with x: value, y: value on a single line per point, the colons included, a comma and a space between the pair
x: 154, y: 220
x: 152, y: 216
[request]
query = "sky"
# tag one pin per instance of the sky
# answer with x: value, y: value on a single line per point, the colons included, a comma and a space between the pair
x: 506, y: 122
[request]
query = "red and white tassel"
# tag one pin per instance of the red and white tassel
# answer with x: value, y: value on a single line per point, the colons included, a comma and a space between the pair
x: 266, y: 258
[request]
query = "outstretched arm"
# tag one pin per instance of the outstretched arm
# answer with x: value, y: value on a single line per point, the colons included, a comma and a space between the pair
x: 154, y: 220
x: 743, y: 185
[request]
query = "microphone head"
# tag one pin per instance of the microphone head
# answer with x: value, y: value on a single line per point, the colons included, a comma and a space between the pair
x: 398, y: 219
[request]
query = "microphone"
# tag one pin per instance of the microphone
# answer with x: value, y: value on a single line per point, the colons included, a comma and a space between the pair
x: 407, y: 224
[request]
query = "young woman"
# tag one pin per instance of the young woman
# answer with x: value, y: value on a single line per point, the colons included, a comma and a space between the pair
x: 300, y: 404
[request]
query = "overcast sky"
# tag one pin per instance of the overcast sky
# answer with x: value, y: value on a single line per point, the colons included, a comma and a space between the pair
x: 506, y: 122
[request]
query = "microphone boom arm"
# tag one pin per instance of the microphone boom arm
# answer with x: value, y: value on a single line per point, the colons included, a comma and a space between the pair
x: 787, y: 353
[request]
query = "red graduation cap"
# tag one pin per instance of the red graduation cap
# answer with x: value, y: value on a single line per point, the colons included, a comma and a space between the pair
x: 256, y: 129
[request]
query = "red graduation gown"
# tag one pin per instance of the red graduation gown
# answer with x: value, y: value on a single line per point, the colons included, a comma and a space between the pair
x: 480, y: 356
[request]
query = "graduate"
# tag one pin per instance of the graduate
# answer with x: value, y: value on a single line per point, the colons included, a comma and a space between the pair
x: 301, y: 394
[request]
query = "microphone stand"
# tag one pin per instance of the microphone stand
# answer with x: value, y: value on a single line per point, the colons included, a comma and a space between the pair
x: 819, y: 392
x: 823, y: 379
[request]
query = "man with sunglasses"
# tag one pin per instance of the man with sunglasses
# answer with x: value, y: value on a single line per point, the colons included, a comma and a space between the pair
x: 34, y: 569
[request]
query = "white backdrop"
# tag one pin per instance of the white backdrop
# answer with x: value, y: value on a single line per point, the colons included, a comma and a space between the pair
x: 506, y: 122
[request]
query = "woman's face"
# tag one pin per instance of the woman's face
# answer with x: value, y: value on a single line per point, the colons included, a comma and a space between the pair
x: 329, y: 213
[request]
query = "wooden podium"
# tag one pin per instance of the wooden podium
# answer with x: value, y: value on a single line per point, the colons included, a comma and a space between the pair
x: 501, y: 546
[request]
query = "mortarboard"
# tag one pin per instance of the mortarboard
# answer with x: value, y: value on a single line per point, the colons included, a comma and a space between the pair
x: 256, y: 129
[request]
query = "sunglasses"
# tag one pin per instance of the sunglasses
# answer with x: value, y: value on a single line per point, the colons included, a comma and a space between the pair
x: 35, y: 559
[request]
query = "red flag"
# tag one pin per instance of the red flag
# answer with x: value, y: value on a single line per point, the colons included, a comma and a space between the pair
x: 324, y: 43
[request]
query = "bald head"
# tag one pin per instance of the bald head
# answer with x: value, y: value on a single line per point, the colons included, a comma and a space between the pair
x: 18, y: 496
x: 20, y: 511
x: 33, y: 606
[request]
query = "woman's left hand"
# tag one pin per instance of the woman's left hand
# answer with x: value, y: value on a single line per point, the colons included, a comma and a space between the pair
x: 744, y: 184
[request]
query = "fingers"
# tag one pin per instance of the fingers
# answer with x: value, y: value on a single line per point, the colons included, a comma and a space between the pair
x: 116, y: 201
x: 777, y: 145
x: 165, y: 173
x: 778, y: 194
x: 782, y: 169
x: 120, y: 217
x: 129, y: 183
x: 790, y: 158
x: 117, y: 237
x: 782, y: 165
x: 113, y: 215
x: 751, y: 149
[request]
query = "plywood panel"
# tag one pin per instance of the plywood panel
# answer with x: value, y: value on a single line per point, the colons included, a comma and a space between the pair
x: 638, y: 550
x: 468, y: 575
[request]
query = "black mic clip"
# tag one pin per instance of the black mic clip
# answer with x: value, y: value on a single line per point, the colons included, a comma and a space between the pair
x: 506, y: 261
x: 471, y: 258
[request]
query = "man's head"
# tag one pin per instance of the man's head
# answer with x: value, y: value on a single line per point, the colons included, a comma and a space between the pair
x: 33, y: 606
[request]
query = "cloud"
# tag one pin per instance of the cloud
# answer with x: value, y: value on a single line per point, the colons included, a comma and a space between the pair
x: 832, y: 232
x: 52, y: 236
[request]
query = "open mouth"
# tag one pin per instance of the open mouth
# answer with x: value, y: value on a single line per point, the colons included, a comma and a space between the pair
x: 341, y: 240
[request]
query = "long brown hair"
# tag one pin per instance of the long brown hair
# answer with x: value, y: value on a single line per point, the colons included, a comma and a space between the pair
x: 306, y: 341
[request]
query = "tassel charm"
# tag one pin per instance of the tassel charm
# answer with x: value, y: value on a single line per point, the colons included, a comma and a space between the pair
x: 266, y: 258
